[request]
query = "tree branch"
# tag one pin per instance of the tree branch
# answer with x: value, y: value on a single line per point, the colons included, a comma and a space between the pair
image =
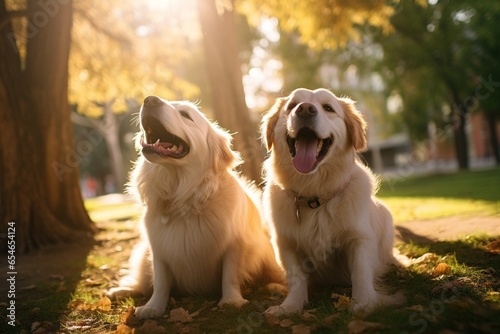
x: 101, y: 28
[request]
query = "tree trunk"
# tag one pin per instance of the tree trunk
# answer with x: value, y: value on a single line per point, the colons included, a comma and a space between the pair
x: 226, y: 82
x: 492, y: 127
x: 39, y: 187
x: 111, y: 132
x: 460, y: 136
x: 461, y: 146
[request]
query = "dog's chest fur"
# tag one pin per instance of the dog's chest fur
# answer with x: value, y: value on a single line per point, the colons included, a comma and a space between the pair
x: 191, y: 246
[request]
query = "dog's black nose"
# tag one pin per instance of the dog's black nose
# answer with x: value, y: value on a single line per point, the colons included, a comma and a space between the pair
x: 306, y: 110
x: 152, y: 101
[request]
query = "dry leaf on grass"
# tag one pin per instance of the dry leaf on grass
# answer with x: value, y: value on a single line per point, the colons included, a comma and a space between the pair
x: 493, y: 247
x: 129, y: 318
x: 103, y: 304
x: 150, y: 327
x: 418, y: 308
x: 124, y: 329
x: 360, y: 326
x: 441, y: 269
x: 285, y: 323
x: 340, y: 301
x: 301, y: 329
x: 272, y: 319
x: 179, y: 315
x: 308, y: 314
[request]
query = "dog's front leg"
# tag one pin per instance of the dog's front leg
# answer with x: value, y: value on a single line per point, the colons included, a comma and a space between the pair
x: 162, y: 283
x: 296, y: 278
x: 231, y: 290
x: 361, y: 265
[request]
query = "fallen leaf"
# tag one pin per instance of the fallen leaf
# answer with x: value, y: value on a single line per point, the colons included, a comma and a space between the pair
x: 103, y: 304
x: 441, y: 269
x: 150, y: 327
x: 129, y: 318
x: 124, y: 329
x: 179, y: 315
x: 493, y: 247
x: 301, y: 329
x: 272, y: 319
x: 342, y: 301
x: 360, y: 326
x: 285, y: 323
x: 418, y: 308
x: 35, y: 325
x: 308, y: 315
x: 330, y: 320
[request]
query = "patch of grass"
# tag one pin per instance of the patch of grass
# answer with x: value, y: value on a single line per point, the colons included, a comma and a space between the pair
x: 112, y: 207
x: 471, y: 193
x: 405, y: 209
x: 475, y: 185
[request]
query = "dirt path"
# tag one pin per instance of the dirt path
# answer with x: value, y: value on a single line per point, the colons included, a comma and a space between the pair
x: 449, y: 228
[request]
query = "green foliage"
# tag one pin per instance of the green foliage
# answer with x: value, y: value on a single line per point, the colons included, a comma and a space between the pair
x: 437, y: 55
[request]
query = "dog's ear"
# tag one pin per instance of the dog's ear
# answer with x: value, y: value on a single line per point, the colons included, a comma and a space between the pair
x: 269, y: 123
x: 356, y: 125
x: 219, y: 143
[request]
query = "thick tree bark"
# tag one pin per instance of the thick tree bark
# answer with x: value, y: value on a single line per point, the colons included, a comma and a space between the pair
x: 39, y: 186
x: 226, y: 83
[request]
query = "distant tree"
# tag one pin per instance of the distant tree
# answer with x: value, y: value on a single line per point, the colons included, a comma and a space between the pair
x: 484, y: 29
x: 39, y: 186
x: 428, y: 59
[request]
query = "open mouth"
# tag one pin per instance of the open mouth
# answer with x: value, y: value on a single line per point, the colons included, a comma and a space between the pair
x: 307, y: 149
x: 161, y: 142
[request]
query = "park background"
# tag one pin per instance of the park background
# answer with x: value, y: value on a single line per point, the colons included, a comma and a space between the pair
x: 426, y: 75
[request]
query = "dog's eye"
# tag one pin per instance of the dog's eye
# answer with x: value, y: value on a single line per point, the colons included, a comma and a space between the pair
x: 328, y: 108
x: 185, y: 114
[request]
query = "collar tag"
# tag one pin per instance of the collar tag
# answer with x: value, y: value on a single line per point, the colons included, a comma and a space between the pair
x: 313, y: 203
x: 297, y: 213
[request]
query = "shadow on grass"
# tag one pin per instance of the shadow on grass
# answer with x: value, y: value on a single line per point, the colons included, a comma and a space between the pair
x: 461, y: 299
x: 44, y: 284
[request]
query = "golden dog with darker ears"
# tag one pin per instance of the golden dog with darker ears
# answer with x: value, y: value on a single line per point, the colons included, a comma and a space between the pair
x: 201, y: 221
x: 320, y: 198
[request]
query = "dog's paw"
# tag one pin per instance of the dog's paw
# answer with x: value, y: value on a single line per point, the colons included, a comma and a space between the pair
x: 146, y: 312
x: 236, y: 302
x: 282, y: 310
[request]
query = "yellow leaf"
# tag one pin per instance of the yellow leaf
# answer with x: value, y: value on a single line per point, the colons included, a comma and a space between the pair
x: 103, y: 304
x: 179, y: 315
x: 441, y: 269
x: 301, y: 329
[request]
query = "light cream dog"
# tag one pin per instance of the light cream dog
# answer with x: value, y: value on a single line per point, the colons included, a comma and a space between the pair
x: 328, y: 225
x: 201, y: 221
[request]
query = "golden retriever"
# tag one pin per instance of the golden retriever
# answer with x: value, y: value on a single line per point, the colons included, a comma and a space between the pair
x: 201, y: 221
x: 328, y: 225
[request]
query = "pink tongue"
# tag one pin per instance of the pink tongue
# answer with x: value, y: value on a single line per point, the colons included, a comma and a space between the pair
x: 305, y: 157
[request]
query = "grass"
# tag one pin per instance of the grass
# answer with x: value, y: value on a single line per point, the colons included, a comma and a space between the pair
x: 473, y: 193
x: 462, y: 297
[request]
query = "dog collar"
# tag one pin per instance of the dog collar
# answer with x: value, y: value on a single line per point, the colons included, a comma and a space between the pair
x: 314, y: 201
